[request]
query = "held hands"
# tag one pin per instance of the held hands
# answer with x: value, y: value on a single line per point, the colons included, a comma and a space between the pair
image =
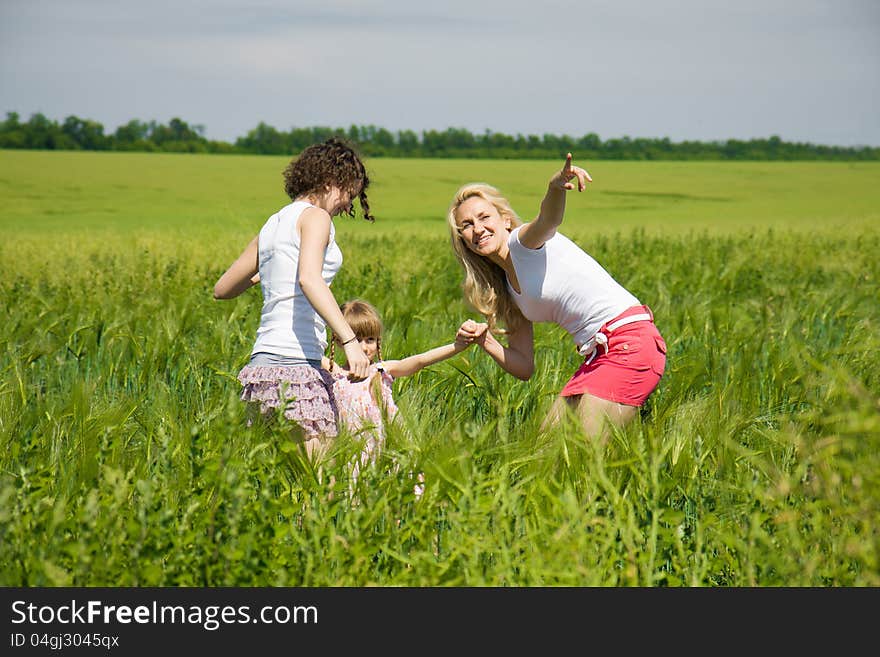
x: 471, y: 332
x: 358, y: 363
x: 561, y: 179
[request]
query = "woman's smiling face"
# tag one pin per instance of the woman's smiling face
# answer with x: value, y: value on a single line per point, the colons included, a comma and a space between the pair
x: 481, y: 226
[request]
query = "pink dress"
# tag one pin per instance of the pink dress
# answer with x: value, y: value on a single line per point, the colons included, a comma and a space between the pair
x: 360, y: 414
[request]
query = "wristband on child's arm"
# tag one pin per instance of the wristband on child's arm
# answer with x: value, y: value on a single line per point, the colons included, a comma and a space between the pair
x: 351, y: 339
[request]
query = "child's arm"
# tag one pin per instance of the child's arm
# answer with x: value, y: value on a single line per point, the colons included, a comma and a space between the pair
x: 533, y: 234
x: 241, y: 275
x: 412, y: 364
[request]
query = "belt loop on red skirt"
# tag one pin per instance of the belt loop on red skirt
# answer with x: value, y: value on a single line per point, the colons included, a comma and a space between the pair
x: 605, y: 331
x: 600, y: 340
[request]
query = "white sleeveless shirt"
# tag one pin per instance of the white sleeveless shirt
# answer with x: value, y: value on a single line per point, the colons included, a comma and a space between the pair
x: 289, y: 325
x: 563, y: 284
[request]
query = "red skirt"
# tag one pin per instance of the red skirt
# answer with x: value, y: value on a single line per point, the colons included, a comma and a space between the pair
x: 629, y: 360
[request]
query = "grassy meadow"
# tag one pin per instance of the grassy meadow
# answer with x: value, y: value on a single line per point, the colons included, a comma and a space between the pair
x: 125, y: 459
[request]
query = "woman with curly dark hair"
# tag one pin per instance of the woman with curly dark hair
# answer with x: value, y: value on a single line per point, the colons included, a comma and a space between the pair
x: 295, y: 258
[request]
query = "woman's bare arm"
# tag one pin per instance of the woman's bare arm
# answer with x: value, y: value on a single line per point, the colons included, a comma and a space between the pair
x: 241, y: 275
x: 517, y: 358
x: 533, y: 234
x: 314, y: 227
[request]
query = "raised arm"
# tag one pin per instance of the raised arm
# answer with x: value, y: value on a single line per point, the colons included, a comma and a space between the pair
x: 412, y: 364
x: 533, y: 234
x: 241, y: 275
x: 517, y: 358
x: 314, y: 227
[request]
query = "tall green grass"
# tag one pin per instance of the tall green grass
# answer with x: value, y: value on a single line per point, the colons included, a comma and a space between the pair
x: 126, y: 459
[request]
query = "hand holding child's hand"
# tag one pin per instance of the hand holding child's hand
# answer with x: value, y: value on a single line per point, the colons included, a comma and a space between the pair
x: 358, y: 363
x: 471, y: 332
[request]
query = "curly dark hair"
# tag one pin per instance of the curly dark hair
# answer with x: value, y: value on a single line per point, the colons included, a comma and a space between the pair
x: 332, y: 162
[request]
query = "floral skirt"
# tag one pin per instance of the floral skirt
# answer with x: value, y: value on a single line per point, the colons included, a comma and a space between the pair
x: 305, y: 392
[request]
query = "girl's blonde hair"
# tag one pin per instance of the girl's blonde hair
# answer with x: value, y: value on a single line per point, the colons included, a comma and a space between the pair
x: 484, y: 283
x: 364, y: 320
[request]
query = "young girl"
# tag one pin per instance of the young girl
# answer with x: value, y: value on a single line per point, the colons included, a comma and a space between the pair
x: 517, y: 273
x: 294, y: 258
x: 364, y: 406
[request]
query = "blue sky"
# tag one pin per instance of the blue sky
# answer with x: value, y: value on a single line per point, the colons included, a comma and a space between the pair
x: 805, y: 70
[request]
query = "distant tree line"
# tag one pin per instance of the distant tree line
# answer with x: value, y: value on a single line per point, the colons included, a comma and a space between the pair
x: 75, y: 133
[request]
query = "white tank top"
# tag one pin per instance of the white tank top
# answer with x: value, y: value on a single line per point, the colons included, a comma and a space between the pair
x: 561, y: 283
x: 289, y: 325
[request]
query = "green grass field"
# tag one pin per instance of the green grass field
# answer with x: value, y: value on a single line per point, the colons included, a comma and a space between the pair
x: 126, y: 460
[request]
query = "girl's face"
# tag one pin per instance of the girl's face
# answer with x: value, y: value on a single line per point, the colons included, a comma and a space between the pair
x: 481, y: 226
x: 368, y: 344
x: 370, y: 347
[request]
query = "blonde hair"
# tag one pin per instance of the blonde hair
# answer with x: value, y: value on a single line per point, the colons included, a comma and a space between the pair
x: 484, y: 283
x: 364, y: 320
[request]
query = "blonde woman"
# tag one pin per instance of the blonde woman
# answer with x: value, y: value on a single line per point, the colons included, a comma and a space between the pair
x: 518, y: 273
